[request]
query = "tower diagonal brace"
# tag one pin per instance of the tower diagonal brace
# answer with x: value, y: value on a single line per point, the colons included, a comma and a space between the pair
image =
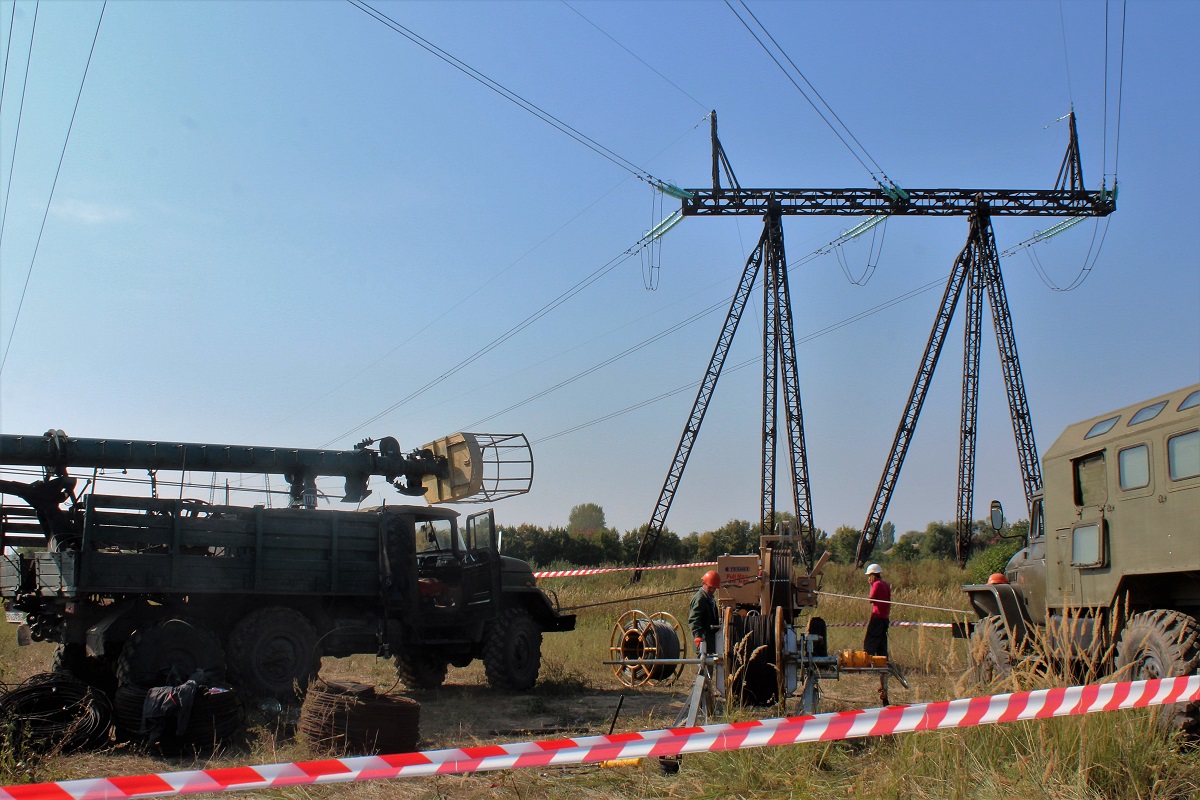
x: 801, y: 495
x: 692, y: 429
x: 770, y: 373
x: 916, y: 397
x: 969, y: 418
x: 1018, y: 403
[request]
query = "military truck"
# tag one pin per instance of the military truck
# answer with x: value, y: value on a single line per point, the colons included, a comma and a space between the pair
x: 1110, y: 571
x: 142, y: 591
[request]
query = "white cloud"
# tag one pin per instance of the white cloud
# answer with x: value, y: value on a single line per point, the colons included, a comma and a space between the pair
x: 89, y: 213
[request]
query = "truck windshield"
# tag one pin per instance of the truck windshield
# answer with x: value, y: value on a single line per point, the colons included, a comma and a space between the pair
x: 438, y: 534
x: 1035, y: 520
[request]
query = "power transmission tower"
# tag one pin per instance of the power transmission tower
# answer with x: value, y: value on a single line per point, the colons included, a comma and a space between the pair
x: 977, y: 268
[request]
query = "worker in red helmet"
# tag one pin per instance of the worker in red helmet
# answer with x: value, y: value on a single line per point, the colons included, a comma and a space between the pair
x: 996, y: 577
x: 703, y: 616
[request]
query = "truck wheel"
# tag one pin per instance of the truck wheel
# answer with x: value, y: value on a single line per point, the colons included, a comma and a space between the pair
x: 170, y: 649
x: 512, y: 654
x: 991, y: 650
x: 1162, y: 644
x: 273, y: 653
x: 72, y: 659
x: 419, y: 672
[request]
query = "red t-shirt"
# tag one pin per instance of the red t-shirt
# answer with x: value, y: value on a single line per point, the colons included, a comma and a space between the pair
x: 880, y: 591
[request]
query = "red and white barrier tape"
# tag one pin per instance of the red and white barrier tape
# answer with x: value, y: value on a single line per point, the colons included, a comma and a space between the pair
x: 892, y: 624
x: 571, y: 573
x: 968, y: 712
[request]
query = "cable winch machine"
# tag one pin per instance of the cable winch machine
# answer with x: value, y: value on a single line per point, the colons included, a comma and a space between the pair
x: 770, y: 647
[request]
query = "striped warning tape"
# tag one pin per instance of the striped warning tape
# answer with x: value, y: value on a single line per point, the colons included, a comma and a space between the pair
x: 571, y: 573
x: 892, y: 624
x: 964, y: 713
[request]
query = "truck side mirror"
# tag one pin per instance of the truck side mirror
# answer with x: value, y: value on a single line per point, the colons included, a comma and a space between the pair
x: 997, y: 516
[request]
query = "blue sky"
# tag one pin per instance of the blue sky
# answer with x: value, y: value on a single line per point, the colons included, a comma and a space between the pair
x: 276, y: 220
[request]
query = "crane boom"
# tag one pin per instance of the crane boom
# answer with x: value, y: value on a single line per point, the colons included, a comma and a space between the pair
x: 451, y: 468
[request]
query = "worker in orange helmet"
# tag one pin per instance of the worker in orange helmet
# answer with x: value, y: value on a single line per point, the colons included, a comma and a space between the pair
x: 703, y: 616
x: 996, y: 577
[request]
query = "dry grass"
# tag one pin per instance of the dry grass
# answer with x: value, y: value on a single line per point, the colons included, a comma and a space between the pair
x: 1110, y: 756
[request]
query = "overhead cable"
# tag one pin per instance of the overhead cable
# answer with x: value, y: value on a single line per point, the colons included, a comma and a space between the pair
x: 517, y: 99
x: 749, y: 362
x: 596, y: 275
x: 451, y: 308
x: 49, y: 200
x: 841, y: 130
x: 12, y: 164
x: 639, y: 59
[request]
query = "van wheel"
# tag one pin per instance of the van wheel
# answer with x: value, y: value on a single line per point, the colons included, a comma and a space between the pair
x: 273, y: 653
x: 512, y: 654
x: 991, y: 650
x: 420, y: 673
x: 1162, y: 644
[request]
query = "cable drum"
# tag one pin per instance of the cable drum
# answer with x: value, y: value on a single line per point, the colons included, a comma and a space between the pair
x: 54, y: 713
x: 637, y: 637
x: 750, y: 660
x: 214, y: 719
x: 782, y: 566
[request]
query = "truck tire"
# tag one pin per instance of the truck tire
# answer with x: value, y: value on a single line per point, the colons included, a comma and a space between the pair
x: 419, y: 672
x: 1162, y: 644
x: 72, y: 659
x: 991, y: 650
x: 273, y: 653
x: 512, y: 654
x: 171, y: 649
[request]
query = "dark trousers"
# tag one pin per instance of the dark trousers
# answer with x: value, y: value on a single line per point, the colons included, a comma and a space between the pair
x: 875, y: 642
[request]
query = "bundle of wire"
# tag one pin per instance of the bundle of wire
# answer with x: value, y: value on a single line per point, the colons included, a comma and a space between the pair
x: 53, y: 712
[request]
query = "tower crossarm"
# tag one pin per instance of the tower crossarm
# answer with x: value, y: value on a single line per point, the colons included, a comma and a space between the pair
x: 900, y: 202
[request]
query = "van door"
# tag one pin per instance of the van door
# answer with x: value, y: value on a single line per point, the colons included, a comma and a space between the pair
x: 1086, y: 542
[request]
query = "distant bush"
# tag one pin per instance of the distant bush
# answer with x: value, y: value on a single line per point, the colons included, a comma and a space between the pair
x: 992, y: 559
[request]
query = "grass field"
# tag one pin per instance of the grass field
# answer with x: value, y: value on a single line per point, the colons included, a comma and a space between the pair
x: 1115, y: 755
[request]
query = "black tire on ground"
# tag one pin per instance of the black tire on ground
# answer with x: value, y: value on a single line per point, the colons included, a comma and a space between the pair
x: 168, y: 652
x: 99, y: 673
x: 273, y: 652
x: 419, y: 672
x: 991, y: 650
x: 1162, y: 644
x: 512, y: 654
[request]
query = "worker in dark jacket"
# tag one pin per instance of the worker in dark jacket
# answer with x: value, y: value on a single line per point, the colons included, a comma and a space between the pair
x: 703, y: 616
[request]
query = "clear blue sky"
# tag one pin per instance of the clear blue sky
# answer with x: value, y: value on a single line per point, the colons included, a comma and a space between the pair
x: 276, y: 220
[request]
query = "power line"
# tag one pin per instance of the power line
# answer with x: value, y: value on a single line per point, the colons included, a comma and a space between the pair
x: 639, y: 59
x: 58, y: 170
x: 12, y: 164
x: 450, y: 309
x: 514, y: 98
x: 748, y: 362
x: 881, y: 178
x: 600, y: 272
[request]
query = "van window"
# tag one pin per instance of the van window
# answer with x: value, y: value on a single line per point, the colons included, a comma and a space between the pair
x: 1102, y: 427
x: 1087, y: 549
x: 1133, y: 466
x: 1091, y: 480
x: 1149, y: 412
x: 1183, y: 455
x: 1190, y: 401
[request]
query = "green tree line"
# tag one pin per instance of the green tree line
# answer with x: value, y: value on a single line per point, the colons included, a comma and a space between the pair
x: 587, y: 541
